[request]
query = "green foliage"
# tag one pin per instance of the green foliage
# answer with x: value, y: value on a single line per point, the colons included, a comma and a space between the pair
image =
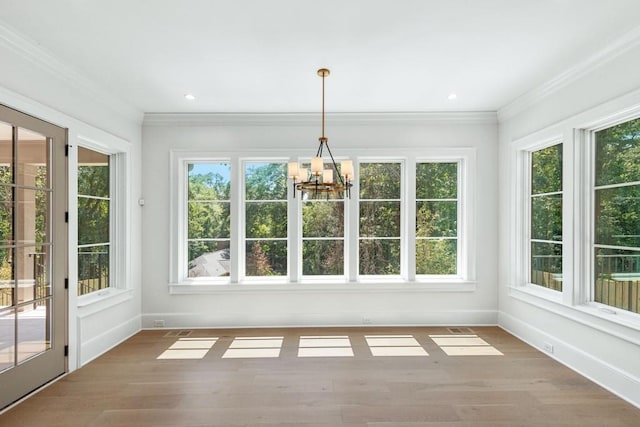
x: 378, y: 256
x: 618, y: 154
x: 266, y: 258
x: 323, y: 218
x: 322, y: 257
x: 546, y: 217
x: 546, y: 170
x: 380, y: 180
x: 436, y: 181
x: 436, y: 256
x: 266, y: 181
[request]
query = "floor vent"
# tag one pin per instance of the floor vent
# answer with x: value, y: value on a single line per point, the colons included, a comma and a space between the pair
x: 460, y: 331
x: 178, y: 334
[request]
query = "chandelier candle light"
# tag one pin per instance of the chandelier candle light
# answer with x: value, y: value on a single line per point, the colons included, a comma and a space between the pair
x: 320, y: 181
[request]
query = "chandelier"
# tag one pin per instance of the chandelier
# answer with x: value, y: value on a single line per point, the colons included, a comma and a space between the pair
x: 318, y: 181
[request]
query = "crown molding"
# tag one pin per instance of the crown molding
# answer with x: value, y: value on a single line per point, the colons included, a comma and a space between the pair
x: 277, y: 119
x: 45, y: 60
x: 619, y: 46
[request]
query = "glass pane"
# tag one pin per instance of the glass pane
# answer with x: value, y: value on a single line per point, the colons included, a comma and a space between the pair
x: 617, y: 216
x: 266, y: 181
x: 32, y: 157
x: 266, y: 219
x: 546, y: 217
x: 546, y: 170
x: 34, y: 329
x: 380, y: 180
x: 93, y: 173
x: 6, y: 153
x: 437, y: 219
x: 436, y: 180
x: 32, y: 219
x: 618, y: 154
x: 438, y: 256
x: 7, y: 339
x: 379, y: 219
x: 32, y: 269
x: 617, y: 281
x: 379, y: 256
x: 6, y: 215
x: 93, y: 221
x: 209, y: 181
x: 6, y: 277
x: 546, y: 265
x: 323, y: 219
x: 93, y: 269
x: 322, y: 257
x: 209, y: 258
x: 266, y: 258
x: 209, y: 220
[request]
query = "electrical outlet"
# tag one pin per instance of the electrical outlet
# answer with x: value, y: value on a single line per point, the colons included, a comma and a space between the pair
x: 366, y: 320
x: 548, y: 347
x: 158, y: 323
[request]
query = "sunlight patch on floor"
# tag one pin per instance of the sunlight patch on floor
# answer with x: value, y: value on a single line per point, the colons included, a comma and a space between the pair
x: 189, y: 348
x: 394, y: 345
x: 254, y: 347
x: 325, y: 346
x: 464, y: 345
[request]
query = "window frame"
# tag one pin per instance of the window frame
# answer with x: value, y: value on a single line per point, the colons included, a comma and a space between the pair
x: 528, y: 215
x: 119, y: 218
x: 461, y: 218
x: 238, y: 281
x: 588, y: 135
x: 576, y: 300
x: 243, y: 223
x: 403, y: 219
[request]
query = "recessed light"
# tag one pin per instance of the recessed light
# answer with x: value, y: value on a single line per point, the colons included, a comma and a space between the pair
x: 452, y: 96
x: 190, y: 97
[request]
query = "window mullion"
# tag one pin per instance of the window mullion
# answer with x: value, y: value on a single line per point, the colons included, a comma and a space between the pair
x: 408, y: 207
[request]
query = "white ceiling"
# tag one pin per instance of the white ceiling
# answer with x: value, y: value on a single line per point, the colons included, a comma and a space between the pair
x: 262, y: 55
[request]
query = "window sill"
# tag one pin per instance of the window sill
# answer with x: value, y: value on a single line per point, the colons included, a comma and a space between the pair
x: 102, y: 300
x: 613, y: 321
x: 396, y: 285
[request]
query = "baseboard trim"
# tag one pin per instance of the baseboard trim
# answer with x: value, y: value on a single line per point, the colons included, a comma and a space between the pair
x: 289, y: 320
x: 612, y: 378
x: 100, y: 344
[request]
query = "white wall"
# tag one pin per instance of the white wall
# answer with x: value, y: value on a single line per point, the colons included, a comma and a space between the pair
x: 34, y: 82
x: 599, y: 347
x: 295, y: 305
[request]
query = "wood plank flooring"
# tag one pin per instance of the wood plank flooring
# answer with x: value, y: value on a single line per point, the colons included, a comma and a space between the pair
x: 324, y: 377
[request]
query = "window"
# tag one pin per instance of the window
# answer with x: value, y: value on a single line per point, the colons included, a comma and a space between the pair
x: 94, y: 221
x: 256, y: 233
x: 545, y: 213
x: 265, y: 219
x: 323, y: 231
x: 437, y: 218
x: 616, y: 194
x: 208, y: 219
x: 380, y: 240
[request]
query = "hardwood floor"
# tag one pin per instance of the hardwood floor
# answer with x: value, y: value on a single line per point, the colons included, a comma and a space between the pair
x: 279, y: 377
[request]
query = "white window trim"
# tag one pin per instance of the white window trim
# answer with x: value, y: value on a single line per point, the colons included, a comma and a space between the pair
x: 464, y: 282
x: 120, y: 287
x: 243, y: 224
x: 575, y: 301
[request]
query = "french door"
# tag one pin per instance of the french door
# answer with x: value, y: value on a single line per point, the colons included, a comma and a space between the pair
x: 33, y: 253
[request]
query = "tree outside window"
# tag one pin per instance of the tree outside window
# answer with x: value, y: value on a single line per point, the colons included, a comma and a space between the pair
x: 265, y: 219
x: 209, y: 219
x: 94, y: 221
x: 617, y: 216
x: 380, y: 218
x: 437, y: 218
x: 546, y: 217
x: 323, y: 231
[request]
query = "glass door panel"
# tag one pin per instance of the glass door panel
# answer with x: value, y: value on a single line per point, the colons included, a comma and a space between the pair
x: 32, y: 293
